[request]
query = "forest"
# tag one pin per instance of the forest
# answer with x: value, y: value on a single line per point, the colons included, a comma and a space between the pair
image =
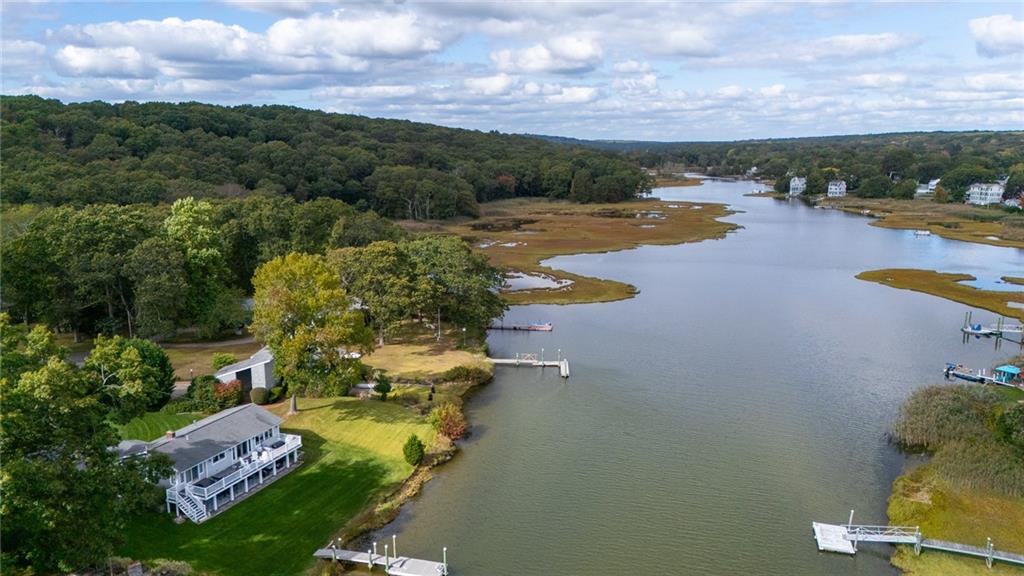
x: 872, y: 165
x: 151, y: 153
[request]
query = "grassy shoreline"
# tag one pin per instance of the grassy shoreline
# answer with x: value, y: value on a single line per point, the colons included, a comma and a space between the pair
x: 948, y: 286
x: 952, y: 221
x: 519, y: 234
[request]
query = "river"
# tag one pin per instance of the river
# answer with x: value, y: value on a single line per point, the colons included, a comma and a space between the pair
x: 745, y: 392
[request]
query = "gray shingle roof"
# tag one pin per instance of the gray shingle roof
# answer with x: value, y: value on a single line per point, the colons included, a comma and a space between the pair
x: 261, y: 357
x: 214, y: 434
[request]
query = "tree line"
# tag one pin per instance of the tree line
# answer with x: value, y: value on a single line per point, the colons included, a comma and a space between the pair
x: 882, y: 165
x: 152, y: 270
x: 152, y: 153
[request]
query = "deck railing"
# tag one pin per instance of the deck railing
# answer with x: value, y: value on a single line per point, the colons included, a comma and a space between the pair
x: 258, y: 461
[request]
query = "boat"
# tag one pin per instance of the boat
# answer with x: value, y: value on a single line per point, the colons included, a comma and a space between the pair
x: 545, y: 327
x: 963, y: 373
x: 922, y: 232
x: 535, y: 327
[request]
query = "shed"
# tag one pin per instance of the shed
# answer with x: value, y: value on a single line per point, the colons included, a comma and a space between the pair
x: 1006, y: 374
x: 257, y: 371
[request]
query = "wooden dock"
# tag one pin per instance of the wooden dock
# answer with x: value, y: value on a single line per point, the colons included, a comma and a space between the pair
x: 844, y: 539
x: 393, y: 565
x: 533, y: 361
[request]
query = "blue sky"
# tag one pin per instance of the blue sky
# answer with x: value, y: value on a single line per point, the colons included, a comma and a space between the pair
x: 652, y: 70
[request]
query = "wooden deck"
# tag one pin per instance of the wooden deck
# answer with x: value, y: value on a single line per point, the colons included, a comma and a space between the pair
x: 400, y: 566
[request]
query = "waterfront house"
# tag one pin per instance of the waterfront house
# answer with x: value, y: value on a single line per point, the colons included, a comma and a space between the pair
x: 257, y: 371
x: 985, y: 193
x: 221, y: 459
x: 837, y: 188
x: 797, y: 186
x: 924, y: 189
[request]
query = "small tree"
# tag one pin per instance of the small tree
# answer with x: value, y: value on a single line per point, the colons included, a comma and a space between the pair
x: 258, y: 395
x: 222, y: 359
x: 227, y: 394
x: 413, y: 450
x: 382, y: 387
x: 448, y: 420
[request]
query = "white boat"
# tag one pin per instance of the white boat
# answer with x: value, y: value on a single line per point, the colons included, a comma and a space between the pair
x: 922, y: 232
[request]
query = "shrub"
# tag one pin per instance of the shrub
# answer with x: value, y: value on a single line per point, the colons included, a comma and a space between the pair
x: 473, y: 374
x: 382, y: 387
x: 413, y: 450
x: 276, y: 393
x: 1010, y: 426
x: 258, y: 396
x: 171, y: 568
x: 448, y: 420
x: 222, y: 359
x: 227, y: 394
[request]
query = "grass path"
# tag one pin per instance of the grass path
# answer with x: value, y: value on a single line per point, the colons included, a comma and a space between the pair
x: 353, y: 455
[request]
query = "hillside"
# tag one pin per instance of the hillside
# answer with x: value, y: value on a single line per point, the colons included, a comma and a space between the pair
x: 96, y: 152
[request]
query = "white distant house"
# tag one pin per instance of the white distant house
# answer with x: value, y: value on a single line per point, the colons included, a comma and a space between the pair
x: 797, y: 186
x: 837, y: 188
x: 257, y: 371
x: 929, y: 188
x: 220, y: 459
x: 985, y: 193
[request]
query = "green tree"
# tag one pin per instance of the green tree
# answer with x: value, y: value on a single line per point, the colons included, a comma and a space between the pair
x: 67, y: 494
x: 222, y: 359
x: 155, y: 357
x: 382, y: 387
x: 126, y: 383
x: 904, y: 189
x: 413, y: 450
x: 304, y: 315
x: 156, y: 269
x: 379, y: 276
x: 874, y: 187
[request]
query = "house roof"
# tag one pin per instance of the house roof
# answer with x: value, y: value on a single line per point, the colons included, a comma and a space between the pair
x: 1009, y: 369
x: 261, y: 357
x: 214, y: 434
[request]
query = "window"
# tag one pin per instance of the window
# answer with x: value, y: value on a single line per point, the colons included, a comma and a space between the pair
x: 220, y: 457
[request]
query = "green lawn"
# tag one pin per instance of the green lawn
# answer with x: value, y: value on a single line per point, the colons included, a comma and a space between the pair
x: 353, y: 453
x: 153, y: 425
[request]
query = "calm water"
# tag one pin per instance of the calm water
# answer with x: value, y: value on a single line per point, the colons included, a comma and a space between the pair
x: 745, y: 392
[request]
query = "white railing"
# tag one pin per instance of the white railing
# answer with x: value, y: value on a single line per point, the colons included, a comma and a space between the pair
x: 258, y: 462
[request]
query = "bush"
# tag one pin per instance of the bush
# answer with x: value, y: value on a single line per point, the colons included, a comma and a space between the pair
x: 222, y: 359
x: 1010, y: 426
x: 227, y: 394
x: 473, y: 374
x: 276, y: 393
x: 413, y: 450
x: 258, y: 396
x: 382, y: 387
x: 171, y: 568
x: 448, y: 420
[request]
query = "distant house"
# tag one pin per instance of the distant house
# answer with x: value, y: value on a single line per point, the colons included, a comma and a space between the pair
x: 924, y: 189
x: 220, y: 459
x: 255, y: 372
x: 752, y: 173
x: 837, y: 189
x: 985, y: 193
x: 797, y: 186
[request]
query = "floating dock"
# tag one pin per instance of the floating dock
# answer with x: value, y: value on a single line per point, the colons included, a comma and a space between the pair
x: 533, y: 361
x: 544, y: 327
x: 393, y: 565
x: 844, y: 539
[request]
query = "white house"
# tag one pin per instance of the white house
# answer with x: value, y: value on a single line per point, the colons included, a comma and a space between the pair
x: 255, y: 372
x: 985, y: 193
x: 837, y: 188
x: 797, y: 185
x: 221, y: 458
x: 929, y: 188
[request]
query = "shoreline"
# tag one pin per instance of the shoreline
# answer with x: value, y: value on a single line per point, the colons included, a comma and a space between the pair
x: 949, y: 287
x: 520, y: 235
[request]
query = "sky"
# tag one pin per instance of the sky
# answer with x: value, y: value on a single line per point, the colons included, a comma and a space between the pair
x: 669, y: 71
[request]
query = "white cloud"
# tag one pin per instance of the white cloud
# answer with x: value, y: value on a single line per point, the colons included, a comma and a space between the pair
x: 563, y: 54
x: 996, y: 81
x: 573, y: 95
x: 631, y: 66
x: 848, y: 46
x: 877, y: 80
x: 21, y: 55
x: 377, y: 35
x: 998, y: 35
x: 375, y: 91
x: 114, y: 62
x: 490, y: 85
x: 642, y: 83
x: 773, y: 90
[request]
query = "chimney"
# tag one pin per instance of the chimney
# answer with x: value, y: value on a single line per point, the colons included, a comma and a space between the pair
x: 169, y: 435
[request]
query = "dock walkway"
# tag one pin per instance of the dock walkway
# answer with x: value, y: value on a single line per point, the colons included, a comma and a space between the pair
x: 400, y: 566
x: 844, y: 538
x: 531, y: 360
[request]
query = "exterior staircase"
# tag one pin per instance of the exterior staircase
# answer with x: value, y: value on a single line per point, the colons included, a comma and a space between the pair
x: 190, y: 505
